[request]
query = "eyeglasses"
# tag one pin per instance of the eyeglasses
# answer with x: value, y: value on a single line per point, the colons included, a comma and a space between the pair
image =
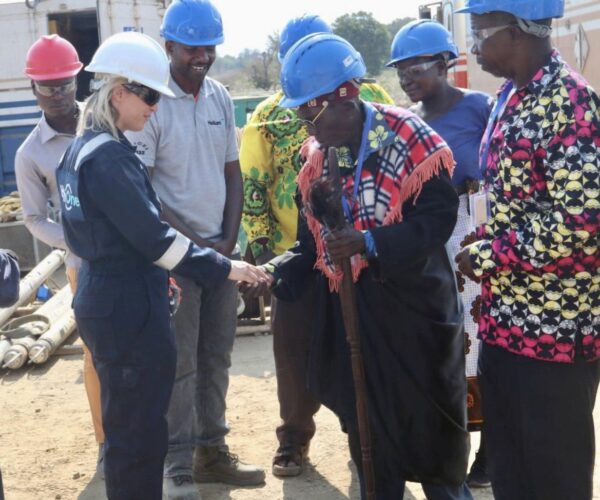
x: 146, y: 94
x: 416, y: 70
x: 51, y: 90
x: 312, y: 124
x: 480, y: 36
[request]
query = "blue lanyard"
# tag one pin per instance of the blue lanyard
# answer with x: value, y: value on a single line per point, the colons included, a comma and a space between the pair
x: 359, y: 163
x: 495, y: 114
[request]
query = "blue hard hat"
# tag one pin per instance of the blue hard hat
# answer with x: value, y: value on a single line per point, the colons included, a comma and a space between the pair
x: 422, y: 38
x: 298, y: 28
x: 530, y: 10
x: 318, y: 64
x: 192, y: 22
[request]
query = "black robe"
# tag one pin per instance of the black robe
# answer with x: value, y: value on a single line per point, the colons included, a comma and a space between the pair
x: 411, y: 329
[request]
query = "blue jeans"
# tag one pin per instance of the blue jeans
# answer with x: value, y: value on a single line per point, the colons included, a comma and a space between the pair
x: 204, y: 332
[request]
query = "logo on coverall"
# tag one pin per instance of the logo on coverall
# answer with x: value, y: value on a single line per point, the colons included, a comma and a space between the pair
x: 68, y: 198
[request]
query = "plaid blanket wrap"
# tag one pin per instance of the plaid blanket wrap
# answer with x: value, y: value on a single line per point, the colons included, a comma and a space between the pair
x: 408, y: 154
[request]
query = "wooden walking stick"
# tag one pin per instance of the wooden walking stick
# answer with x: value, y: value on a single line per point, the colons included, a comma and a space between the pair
x: 325, y: 204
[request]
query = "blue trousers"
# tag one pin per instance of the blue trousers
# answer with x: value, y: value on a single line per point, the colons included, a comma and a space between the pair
x: 123, y: 317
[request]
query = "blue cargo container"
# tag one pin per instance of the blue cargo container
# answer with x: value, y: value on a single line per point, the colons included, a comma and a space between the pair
x: 12, y: 135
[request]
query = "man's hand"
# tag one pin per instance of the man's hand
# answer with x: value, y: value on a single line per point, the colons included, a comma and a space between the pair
x: 224, y: 247
x: 344, y: 243
x: 252, y: 291
x: 463, y: 260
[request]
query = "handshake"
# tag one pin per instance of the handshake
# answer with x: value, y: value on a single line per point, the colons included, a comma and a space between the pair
x: 253, y: 281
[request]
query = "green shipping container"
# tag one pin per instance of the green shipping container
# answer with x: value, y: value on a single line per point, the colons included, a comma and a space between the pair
x: 244, y: 106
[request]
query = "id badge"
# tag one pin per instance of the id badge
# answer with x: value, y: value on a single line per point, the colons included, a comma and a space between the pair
x: 479, y: 207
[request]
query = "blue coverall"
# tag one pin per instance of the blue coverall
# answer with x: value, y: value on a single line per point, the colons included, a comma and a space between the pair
x: 111, y: 219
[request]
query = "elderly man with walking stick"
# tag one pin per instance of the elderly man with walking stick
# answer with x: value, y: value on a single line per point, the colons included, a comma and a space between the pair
x: 380, y: 226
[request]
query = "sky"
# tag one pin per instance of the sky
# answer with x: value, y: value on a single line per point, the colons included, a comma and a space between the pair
x: 247, y: 23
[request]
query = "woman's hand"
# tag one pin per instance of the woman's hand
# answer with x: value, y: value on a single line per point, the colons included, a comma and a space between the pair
x: 242, y: 271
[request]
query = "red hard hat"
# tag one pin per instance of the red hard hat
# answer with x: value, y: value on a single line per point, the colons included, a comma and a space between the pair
x: 52, y: 58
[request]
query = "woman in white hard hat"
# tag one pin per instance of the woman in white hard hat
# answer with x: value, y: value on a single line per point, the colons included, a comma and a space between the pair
x: 111, y: 219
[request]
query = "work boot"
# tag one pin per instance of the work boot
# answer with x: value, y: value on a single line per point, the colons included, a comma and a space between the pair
x: 180, y: 488
x: 478, y: 477
x: 214, y: 464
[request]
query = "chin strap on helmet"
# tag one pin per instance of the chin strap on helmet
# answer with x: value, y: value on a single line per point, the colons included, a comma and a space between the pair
x: 533, y: 28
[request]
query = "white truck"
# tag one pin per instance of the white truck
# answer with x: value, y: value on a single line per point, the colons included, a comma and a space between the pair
x: 85, y: 23
x: 576, y: 36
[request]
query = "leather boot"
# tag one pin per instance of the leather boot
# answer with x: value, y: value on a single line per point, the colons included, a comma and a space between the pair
x: 215, y: 464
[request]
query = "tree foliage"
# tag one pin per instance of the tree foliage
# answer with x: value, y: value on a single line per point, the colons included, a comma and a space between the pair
x: 396, y: 24
x: 260, y: 69
x: 250, y: 68
x: 264, y: 70
x: 370, y: 37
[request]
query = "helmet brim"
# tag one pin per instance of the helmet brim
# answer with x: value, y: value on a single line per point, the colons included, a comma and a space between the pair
x: 162, y: 88
x: 293, y: 102
x: 288, y: 102
x: 481, y: 11
x: 471, y: 10
x: 392, y: 62
x: 192, y: 43
x: 56, y: 75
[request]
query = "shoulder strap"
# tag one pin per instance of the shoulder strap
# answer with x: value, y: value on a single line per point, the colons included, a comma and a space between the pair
x: 90, y: 146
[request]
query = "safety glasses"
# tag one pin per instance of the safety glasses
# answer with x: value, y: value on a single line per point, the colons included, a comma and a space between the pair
x: 416, y: 70
x: 146, y: 94
x: 51, y: 90
x: 480, y: 36
x: 312, y: 124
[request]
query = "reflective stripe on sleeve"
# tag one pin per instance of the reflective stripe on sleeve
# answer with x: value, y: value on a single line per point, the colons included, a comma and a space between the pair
x: 175, y: 253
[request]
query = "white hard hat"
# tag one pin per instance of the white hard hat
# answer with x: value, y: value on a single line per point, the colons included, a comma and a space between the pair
x: 134, y: 56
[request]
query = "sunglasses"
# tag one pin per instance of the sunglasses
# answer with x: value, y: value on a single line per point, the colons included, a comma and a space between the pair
x: 146, y: 94
x: 51, y: 90
x: 416, y: 70
x: 311, y: 125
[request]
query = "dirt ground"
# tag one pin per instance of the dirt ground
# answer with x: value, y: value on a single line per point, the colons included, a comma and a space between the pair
x: 47, y: 448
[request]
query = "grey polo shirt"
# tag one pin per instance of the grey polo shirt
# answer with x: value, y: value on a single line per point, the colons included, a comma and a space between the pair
x: 35, y: 169
x: 187, y: 143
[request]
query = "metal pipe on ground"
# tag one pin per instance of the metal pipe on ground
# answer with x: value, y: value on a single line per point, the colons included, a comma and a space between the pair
x: 48, y: 342
x: 56, y: 306
x: 17, y: 354
x: 5, y: 344
x: 34, y: 279
x: 51, y: 318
